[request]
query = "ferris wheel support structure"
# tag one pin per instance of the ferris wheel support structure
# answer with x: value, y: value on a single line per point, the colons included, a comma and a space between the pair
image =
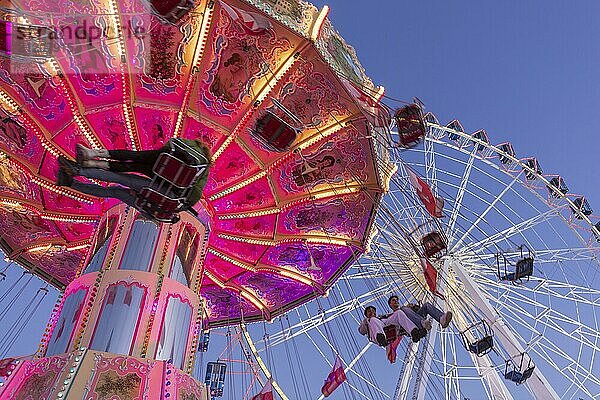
x: 428, y: 349
x: 538, y: 384
x: 405, y: 374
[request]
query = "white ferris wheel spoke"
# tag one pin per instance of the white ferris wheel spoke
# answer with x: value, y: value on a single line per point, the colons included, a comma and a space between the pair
x: 512, y: 230
x: 459, y: 197
x: 482, y: 216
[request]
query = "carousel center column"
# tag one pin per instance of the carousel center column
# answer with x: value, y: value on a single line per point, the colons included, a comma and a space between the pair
x: 128, y: 325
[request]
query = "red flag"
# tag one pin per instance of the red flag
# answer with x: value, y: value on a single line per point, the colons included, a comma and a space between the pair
x: 266, y: 392
x: 335, y: 378
x: 430, y: 276
x: 391, y: 349
x: 434, y: 205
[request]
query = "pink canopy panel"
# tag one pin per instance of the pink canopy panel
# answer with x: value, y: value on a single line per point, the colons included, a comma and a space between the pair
x: 284, y: 225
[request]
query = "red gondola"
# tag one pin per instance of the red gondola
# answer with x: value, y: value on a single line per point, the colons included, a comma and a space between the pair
x: 410, y: 124
x: 433, y: 244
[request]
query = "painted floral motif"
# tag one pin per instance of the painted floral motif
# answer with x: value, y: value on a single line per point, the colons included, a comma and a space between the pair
x: 111, y: 386
x: 60, y: 263
x: 13, y: 131
x: 291, y: 8
x: 37, y: 387
x: 312, y: 96
x: 120, y: 378
x: 39, y: 377
x: 159, y: 55
x: 335, y: 217
x: 344, y: 160
x: 273, y: 289
x: 245, y: 49
x: 114, y: 131
x: 24, y: 225
x: 12, y: 181
x: 225, y: 305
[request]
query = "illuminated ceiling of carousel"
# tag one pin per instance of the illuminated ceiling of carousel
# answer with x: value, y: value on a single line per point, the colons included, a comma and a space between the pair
x: 283, y: 225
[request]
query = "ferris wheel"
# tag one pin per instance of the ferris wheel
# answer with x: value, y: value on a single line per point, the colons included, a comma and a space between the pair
x: 518, y: 267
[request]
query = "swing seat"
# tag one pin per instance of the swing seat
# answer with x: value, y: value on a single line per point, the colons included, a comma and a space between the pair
x: 514, y: 376
x: 204, y: 340
x: 410, y: 124
x: 158, y: 206
x: 482, y: 346
x: 274, y: 133
x: 523, y: 269
x: 176, y: 171
x: 519, y: 377
x: 433, y: 243
x: 392, y: 333
x: 171, y: 11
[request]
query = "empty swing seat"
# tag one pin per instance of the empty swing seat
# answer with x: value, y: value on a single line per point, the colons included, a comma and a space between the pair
x: 482, y: 346
x: 478, y: 338
x: 171, y: 11
x: 519, y: 368
x: 519, y: 377
x: 523, y: 269
x: 204, y: 340
x: 274, y: 133
x: 433, y: 243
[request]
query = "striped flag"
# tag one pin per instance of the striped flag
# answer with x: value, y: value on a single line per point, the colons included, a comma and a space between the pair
x: 433, y: 204
x: 430, y: 276
x: 336, y: 377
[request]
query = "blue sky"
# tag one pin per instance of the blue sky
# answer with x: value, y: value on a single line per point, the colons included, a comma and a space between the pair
x: 526, y: 72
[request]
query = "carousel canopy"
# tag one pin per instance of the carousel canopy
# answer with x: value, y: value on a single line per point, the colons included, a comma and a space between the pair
x: 285, y: 222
